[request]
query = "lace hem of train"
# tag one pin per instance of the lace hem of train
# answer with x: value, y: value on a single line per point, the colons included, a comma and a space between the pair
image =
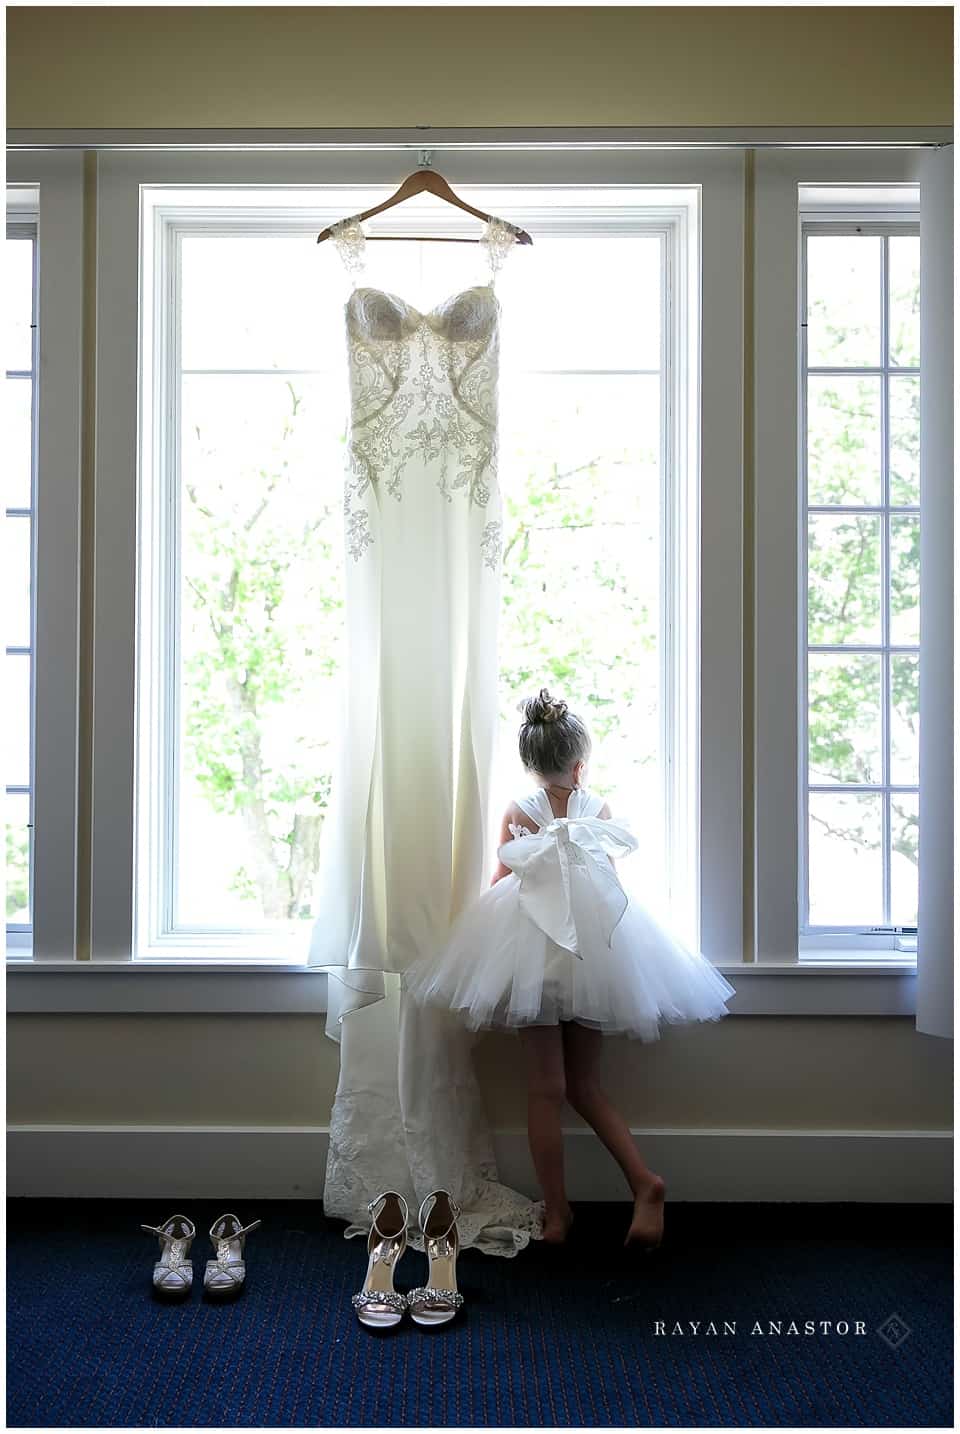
x: 372, y: 1149
x: 495, y: 1219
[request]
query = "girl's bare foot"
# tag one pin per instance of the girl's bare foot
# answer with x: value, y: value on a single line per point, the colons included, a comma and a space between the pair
x: 556, y: 1226
x: 646, y: 1227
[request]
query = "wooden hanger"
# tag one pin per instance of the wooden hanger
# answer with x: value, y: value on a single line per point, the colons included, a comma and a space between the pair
x: 427, y: 179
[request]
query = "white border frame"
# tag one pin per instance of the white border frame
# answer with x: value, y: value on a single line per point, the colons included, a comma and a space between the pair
x: 57, y: 573
x: 778, y: 525
x: 118, y: 418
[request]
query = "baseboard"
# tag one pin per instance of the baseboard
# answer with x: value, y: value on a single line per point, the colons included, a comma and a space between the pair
x: 201, y: 1162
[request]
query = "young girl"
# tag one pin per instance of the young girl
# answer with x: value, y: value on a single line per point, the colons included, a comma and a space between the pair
x: 557, y: 950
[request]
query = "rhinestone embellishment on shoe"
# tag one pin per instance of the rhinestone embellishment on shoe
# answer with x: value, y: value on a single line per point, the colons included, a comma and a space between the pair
x: 390, y: 1298
x: 425, y: 1296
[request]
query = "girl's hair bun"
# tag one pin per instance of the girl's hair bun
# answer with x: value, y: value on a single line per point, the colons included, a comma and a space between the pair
x: 543, y: 708
x: 551, y: 736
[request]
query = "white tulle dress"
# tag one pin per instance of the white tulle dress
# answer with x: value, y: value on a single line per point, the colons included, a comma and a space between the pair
x: 560, y: 940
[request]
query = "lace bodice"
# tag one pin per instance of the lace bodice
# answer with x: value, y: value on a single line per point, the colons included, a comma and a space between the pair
x: 423, y: 395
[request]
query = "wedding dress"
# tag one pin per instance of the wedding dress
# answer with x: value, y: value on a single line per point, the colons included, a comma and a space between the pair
x: 405, y: 842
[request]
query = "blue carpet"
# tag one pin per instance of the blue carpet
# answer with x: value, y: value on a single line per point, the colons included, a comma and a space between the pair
x: 551, y: 1338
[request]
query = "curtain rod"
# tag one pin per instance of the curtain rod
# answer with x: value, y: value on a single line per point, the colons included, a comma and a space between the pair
x: 491, y: 139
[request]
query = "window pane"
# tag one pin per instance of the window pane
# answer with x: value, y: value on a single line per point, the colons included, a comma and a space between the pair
x: 16, y: 719
x: 16, y: 580
x: 904, y: 835
x: 844, y: 734
x: 904, y: 439
x: 582, y: 304
x: 18, y: 302
x: 17, y: 440
x: 843, y: 443
x: 904, y: 262
x: 261, y: 302
x: 843, y: 300
x: 846, y: 867
x: 260, y: 514
x: 905, y: 580
x: 844, y: 579
x: 17, y: 815
x: 261, y: 628
x: 904, y: 719
x: 581, y: 575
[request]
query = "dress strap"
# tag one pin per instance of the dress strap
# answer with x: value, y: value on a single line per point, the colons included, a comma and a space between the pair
x: 584, y: 804
x: 497, y: 241
x: 537, y: 807
x: 351, y: 244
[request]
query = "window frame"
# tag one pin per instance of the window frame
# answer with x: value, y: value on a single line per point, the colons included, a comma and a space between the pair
x: 859, y: 935
x: 59, y: 181
x: 780, y: 531
x: 121, y: 176
x: 155, y: 932
x: 22, y: 221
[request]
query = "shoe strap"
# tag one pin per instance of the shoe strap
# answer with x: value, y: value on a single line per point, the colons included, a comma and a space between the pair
x: 233, y: 1234
x: 429, y: 1201
x: 382, y: 1200
x: 165, y: 1234
x: 245, y: 1229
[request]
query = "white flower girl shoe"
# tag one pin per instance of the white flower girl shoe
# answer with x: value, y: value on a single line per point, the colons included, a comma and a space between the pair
x: 438, y: 1300
x: 378, y: 1304
x: 225, y: 1274
x: 173, y: 1272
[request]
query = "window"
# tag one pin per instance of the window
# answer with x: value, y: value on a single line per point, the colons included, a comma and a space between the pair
x: 861, y: 472
x: 20, y: 264
x: 241, y: 622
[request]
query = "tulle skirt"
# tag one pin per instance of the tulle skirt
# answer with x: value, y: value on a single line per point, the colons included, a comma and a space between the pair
x: 499, y: 970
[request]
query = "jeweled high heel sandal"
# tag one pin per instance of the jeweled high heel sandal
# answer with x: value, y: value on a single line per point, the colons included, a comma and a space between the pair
x: 378, y: 1304
x: 225, y: 1274
x: 173, y: 1272
x: 438, y: 1300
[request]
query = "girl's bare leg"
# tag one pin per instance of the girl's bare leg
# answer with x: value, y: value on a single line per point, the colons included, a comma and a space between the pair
x: 581, y: 1050
x: 543, y: 1049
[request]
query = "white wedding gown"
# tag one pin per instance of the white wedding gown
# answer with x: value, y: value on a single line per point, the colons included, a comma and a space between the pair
x: 405, y: 841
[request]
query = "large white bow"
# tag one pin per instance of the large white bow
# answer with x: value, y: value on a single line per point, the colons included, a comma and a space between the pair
x: 567, y: 885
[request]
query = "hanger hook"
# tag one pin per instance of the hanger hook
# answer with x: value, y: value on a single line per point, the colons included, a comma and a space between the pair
x: 425, y: 159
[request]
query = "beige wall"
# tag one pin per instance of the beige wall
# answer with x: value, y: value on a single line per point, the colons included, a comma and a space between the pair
x: 461, y: 66
x: 779, y: 1073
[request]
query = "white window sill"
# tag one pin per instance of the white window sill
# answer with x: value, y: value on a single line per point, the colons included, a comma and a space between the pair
x: 832, y: 984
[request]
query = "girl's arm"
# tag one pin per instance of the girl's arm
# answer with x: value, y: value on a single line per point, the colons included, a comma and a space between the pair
x: 513, y: 816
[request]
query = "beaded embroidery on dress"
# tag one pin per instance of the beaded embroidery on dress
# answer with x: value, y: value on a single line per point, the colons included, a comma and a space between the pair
x: 423, y: 393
